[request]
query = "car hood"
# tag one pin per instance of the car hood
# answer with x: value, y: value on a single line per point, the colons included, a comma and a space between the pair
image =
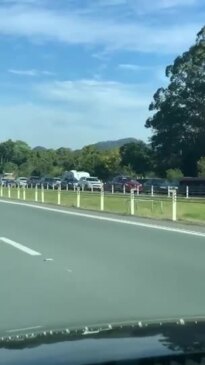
x: 90, y: 345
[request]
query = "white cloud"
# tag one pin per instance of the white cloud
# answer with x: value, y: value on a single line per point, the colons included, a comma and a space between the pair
x: 75, y: 28
x: 133, y: 67
x: 76, y: 113
x: 23, y: 72
x: 32, y: 122
x: 47, y: 73
x: 95, y: 94
x: 157, y: 73
x: 176, y: 3
x: 55, y: 127
x: 31, y: 73
x: 160, y: 6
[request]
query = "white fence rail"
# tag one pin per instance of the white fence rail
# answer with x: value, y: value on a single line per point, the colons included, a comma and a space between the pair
x: 131, y: 203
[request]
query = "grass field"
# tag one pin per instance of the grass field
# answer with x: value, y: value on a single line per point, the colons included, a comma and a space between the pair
x: 145, y: 206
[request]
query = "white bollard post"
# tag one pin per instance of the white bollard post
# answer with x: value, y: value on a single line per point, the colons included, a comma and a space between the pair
x: 102, y: 200
x: 83, y: 187
x: 9, y: 191
x: 53, y: 186
x: 174, y: 205
x: 138, y: 190
x: 24, y: 193
x: 74, y: 188
x: 36, y: 193
x: 187, y: 191
x: 132, y: 202
x: 66, y: 187
x: 152, y: 190
x: 112, y: 189
x: 31, y: 186
x: 47, y: 187
x: 18, y: 192
x: 42, y: 194
x: 91, y: 188
x: 124, y: 190
x: 1, y: 191
x: 168, y: 192
x: 59, y: 196
x: 78, y: 197
x: 161, y: 207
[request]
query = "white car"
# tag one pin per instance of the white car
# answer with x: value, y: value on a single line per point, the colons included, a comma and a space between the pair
x: 90, y: 183
x: 22, y: 181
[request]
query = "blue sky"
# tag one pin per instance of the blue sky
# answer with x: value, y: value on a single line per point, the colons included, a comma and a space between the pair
x: 74, y: 72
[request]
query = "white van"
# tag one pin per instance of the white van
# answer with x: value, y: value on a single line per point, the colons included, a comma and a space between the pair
x: 74, y: 174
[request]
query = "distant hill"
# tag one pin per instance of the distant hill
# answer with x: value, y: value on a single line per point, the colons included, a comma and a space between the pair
x: 108, y: 145
x: 39, y: 148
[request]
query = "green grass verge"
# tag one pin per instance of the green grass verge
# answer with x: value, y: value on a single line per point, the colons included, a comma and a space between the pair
x: 145, y: 206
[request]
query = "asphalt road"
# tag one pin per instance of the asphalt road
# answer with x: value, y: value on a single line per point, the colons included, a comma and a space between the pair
x: 97, y: 272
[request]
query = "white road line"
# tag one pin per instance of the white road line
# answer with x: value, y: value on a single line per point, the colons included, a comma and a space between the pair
x: 24, y: 329
x: 20, y: 247
x: 109, y: 219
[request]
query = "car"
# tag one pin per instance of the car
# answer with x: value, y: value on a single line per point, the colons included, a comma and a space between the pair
x: 57, y: 180
x: 21, y: 181
x: 7, y: 182
x: 195, y: 185
x: 49, y: 183
x: 69, y: 183
x: 3, y: 181
x: 160, y: 186
x: 123, y: 183
x: 33, y: 181
x: 90, y: 183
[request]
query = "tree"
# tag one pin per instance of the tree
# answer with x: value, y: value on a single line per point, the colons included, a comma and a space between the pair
x: 6, y: 151
x: 88, y: 159
x: 42, y: 162
x: 10, y: 167
x: 174, y: 174
x: 178, y: 123
x: 64, y: 159
x: 201, y: 167
x: 108, y: 164
x: 137, y: 156
x: 21, y: 152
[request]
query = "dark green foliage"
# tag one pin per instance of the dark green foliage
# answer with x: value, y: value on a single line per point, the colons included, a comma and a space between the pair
x: 178, y: 122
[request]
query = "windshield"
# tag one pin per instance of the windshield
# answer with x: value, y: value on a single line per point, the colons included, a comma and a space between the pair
x: 92, y: 179
x: 96, y: 95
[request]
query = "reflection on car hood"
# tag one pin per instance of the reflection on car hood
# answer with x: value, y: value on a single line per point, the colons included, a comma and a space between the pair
x: 108, y: 343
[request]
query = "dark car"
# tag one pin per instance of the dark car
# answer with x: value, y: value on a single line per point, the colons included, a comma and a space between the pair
x: 33, y: 181
x: 159, y: 186
x: 195, y: 186
x: 123, y: 183
x: 69, y: 183
x: 49, y: 183
x: 8, y: 182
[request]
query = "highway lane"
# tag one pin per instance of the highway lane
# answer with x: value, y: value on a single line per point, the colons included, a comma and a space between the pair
x: 98, y: 272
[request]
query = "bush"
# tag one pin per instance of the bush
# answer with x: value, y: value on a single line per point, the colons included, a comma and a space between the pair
x: 201, y: 166
x: 174, y: 174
